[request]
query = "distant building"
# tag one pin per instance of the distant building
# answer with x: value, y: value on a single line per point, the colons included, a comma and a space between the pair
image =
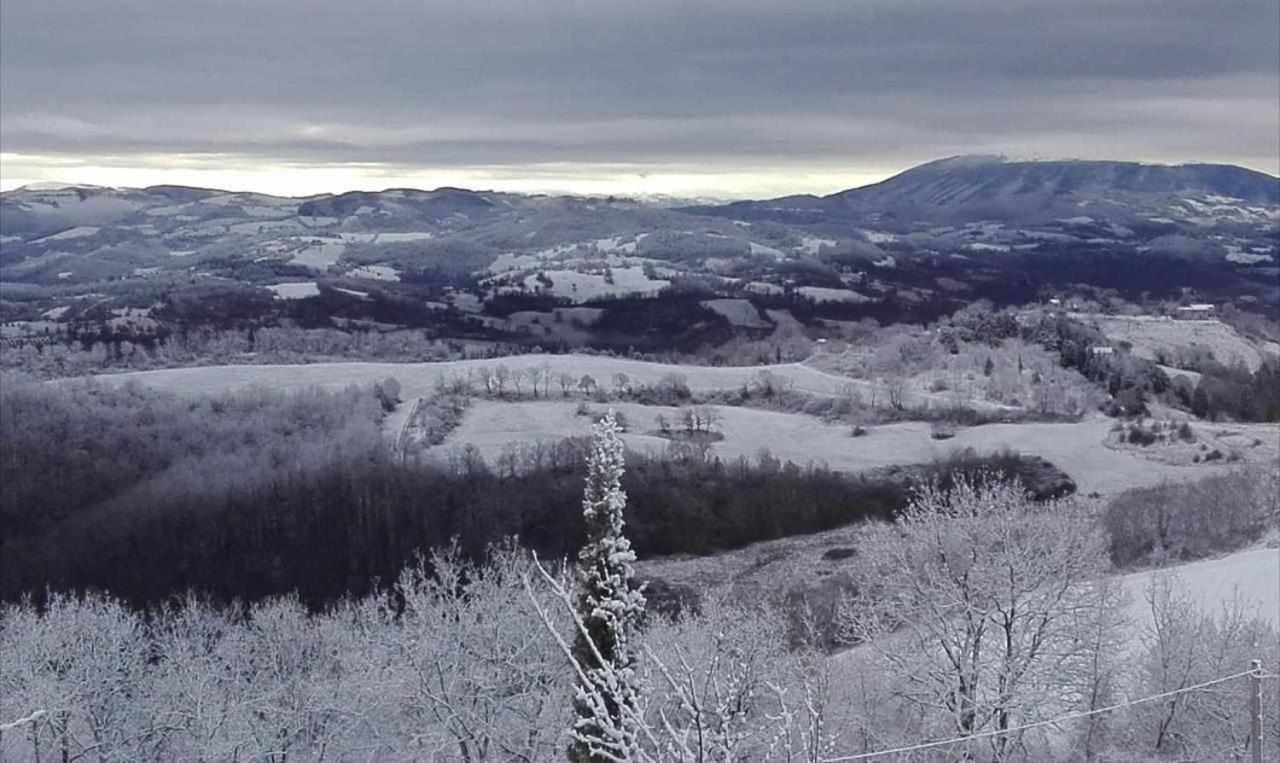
x: 1101, y: 349
x: 1199, y: 311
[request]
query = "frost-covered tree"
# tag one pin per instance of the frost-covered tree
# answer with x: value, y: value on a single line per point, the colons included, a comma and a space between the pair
x: 608, y: 609
x: 979, y: 603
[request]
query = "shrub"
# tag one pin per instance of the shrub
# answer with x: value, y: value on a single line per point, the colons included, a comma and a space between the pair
x: 1185, y: 433
x: 1138, y: 435
x: 1188, y: 521
x: 941, y: 430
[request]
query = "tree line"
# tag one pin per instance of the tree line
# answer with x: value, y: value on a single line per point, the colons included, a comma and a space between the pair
x: 146, y: 495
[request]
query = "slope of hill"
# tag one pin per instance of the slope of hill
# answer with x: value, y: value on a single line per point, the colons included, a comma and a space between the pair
x: 914, y: 247
x: 968, y: 188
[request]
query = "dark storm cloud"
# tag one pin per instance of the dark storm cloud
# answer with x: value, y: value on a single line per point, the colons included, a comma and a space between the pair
x: 432, y: 83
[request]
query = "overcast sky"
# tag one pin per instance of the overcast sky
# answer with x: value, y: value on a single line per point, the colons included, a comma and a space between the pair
x: 708, y: 98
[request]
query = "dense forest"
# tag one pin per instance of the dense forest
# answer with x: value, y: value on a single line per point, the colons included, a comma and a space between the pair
x: 263, y: 493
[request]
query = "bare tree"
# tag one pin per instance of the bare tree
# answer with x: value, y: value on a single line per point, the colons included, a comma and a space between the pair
x: 533, y: 374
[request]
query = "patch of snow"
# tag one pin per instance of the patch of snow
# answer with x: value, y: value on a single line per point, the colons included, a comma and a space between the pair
x: 54, y: 313
x: 581, y: 287
x: 615, y: 244
x: 823, y: 294
x: 64, y: 275
x: 295, y: 290
x: 768, y: 251
x: 80, y: 231
x: 883, y: 237
x: 398, y: 238
x: 814, y: 244
x: 887, y: 262
x: 763, y: 287
x: 1245, y: 258
x: 375, y: 273
x: 353, y: 292
x: 739, y: 312
x: 319, y: 254
x: 1078, y: 220
x: 979, y: 246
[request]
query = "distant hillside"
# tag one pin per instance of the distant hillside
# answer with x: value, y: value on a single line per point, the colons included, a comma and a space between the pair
x: 993, y: 188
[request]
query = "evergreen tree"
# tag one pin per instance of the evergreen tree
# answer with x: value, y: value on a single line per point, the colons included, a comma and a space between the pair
x: 606, y: 701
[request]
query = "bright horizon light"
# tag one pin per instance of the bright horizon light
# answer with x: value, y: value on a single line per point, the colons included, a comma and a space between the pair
x: 294, y: 179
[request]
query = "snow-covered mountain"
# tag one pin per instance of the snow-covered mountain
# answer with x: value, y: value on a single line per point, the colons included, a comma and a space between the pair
x: 969, y: 214
x: 972, y: 188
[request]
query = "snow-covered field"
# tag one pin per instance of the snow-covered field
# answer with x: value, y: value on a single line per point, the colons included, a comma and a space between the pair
x: 739, y: 312
x: 1253, y: 575
x: 295, y: 290
x: 823, y: 294
x: 318, y: 255
x: 375, y: 273
x: 582, y: 287
x: 1151, y: 334
x: 80, y: 231
x: 417, y: 379
x: 1076, y: 448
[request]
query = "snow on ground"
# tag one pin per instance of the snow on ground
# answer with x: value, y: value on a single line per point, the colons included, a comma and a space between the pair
x: 768, y: 251
x: 880, y: 237
x: 763, y: 287
x: 823, y: 294
x: 1253, y: 575
x: 264, y: 226
x: 399, y: 238
x: 979, y: 246
x: 1245, y: 258
x: 739, y: 312
x: 318, y: 254
x: 813, y: 244
x: 353, y: 292
x: 510, y: 261
x: 417, y: 379
x: 615, y: 244
x: 1150, y: 334
x: 375, y: 273
x: 295, y: 290
x: 1076, y: 448
x: 582, y: 287
x: 54, y: 313
x: 80, y: 231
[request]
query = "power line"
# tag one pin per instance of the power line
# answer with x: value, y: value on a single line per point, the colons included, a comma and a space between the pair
x: 1037, y: 724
